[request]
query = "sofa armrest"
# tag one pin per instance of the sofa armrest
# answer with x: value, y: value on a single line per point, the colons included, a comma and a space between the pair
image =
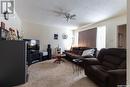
x: 90, y: 61
x: 117, y: 77
x: 117, y: 72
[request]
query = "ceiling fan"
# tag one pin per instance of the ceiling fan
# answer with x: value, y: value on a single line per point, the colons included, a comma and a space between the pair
x: 69, y: 16
x: 66, y: 14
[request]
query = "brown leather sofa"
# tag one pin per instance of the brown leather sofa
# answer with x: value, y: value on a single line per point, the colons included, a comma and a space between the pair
x: 108, y: 69
x: 76, y: 52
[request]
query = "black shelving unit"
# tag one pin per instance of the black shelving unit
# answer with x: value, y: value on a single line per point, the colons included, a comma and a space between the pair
x: 13, y: 63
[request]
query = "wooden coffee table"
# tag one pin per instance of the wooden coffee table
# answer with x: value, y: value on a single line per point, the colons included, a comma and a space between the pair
x: 59, y: 58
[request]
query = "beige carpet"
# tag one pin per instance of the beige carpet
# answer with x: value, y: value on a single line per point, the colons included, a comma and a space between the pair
x: 49, y: 74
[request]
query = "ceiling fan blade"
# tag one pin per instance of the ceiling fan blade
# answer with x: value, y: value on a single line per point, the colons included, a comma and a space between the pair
x: 73, y: 18
x: 73, y: 15
x: 58, y: 13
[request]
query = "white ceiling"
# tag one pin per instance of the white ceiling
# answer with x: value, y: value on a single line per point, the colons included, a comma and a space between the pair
x: 87, y: 11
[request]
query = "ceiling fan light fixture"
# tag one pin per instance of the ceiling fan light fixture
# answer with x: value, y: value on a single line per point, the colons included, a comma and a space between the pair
x: 6, y: 15
x: 68, y: 16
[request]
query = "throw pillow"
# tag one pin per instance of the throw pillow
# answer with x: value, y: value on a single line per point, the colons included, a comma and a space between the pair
x: 89, y: 52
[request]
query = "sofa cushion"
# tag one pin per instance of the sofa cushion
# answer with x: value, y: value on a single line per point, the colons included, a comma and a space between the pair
x: 80, y: 52
x: 99, y: 72
x: 112, y: 57
x: 111, y: 61
x: 89, y: 52
x: 72, y: 55
x: 115, y: 52
x: 91, y: 61
x: 122, y: 65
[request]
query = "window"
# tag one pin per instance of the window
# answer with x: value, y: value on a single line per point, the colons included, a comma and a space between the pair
x: 101, y: 37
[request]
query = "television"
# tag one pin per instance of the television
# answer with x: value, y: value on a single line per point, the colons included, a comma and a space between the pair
x: 32, y: 44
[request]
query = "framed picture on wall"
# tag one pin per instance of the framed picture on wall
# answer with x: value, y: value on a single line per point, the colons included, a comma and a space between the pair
x: 64, y: 36
x: 55, y: 36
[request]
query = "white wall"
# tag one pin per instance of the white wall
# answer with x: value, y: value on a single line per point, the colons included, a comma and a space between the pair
x: 46, y: 34
x: 111, y: 29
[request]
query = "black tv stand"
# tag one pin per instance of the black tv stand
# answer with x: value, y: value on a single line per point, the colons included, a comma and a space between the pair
x: 33, y: 54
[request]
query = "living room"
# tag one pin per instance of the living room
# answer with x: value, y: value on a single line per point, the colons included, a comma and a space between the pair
x: 62, y: 24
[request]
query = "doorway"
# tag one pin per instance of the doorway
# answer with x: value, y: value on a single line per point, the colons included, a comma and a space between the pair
x: 121, y: 36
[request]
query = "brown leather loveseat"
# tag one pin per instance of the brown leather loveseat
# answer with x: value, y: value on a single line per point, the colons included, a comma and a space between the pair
x: 108, y: 69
